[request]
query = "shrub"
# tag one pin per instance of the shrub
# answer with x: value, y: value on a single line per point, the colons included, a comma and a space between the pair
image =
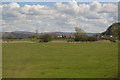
x: 11, y: 36
x: 70, y: 40
x: 112, y: 40
x: 80, y: 37
x: 46, y: 38
x: 92, y: 38
x: 83, y: 37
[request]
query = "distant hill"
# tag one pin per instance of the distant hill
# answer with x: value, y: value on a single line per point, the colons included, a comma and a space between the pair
x: 18, y: 33
x: 92, y: 33
x: 22, y: 33
x: 26, y: 34
x: 66, y: 33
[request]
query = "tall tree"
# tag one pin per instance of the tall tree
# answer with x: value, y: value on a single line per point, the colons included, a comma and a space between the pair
x: 79, y: 31
x: 80, y: 35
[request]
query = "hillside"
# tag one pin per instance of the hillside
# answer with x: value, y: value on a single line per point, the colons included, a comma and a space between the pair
x: 110, y: 28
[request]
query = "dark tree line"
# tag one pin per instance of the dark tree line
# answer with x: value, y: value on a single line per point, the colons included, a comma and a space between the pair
x: 80, y: 35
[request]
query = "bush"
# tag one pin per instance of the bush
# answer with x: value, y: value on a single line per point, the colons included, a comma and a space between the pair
x: 92, y: 38
x: 34, y: 36
x: 80, y: 37
x: 70, y: 40
x: 112, y: 40
x: 83, y: 37
x: 11, y: 36
x: 46, y: 38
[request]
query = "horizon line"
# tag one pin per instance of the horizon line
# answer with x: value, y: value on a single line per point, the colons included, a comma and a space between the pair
x: 49, y: 31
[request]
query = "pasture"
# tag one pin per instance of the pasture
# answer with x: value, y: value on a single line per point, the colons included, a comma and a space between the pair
x: 60, y: 60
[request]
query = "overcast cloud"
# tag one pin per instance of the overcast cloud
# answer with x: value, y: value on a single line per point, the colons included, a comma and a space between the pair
x: 94, y: 17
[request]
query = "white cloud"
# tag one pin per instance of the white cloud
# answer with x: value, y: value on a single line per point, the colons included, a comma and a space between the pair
x: 95, y: 6
x: 109, y: 8
x: 93, y: 17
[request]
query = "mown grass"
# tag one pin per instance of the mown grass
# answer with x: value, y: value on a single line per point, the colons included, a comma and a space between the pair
x: 34, y: 40
x: 60, y: 60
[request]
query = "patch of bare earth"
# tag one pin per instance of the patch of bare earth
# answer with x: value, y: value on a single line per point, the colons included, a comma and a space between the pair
x: 103, y: 41
x: 59, y: 41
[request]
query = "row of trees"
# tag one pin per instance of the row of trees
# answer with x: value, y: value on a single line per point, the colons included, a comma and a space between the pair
x: 79, y: 35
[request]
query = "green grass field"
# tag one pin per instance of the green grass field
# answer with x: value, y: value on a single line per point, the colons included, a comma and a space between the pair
x: 60, y: 60
x: 24, y: 39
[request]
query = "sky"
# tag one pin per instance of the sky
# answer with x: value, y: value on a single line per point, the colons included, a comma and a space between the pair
x: 58, y: 0
x: 92, y: 17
